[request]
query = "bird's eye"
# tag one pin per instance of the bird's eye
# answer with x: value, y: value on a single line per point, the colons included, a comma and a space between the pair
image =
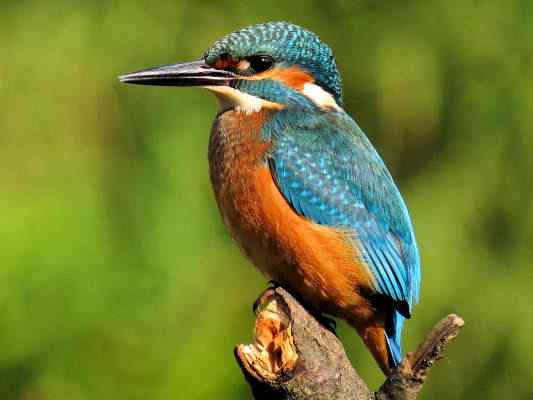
x: 260, y: 63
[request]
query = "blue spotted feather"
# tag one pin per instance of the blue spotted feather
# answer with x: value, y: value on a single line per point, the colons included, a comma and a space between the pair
x: 325, y: 166
x: 330, y: 173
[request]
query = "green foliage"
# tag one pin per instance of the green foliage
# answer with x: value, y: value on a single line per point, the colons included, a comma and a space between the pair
x: 117, y: 278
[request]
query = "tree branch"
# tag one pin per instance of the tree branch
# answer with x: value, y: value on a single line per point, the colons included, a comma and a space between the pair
x: 294, y: 357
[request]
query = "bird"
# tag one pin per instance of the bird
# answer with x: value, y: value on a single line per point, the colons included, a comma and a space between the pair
x: 298, y: 184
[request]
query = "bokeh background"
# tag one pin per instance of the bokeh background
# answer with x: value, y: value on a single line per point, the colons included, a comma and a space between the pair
x: 117, y: 277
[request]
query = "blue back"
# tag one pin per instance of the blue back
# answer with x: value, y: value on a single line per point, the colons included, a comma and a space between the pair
x: 325, y: 166
x: 330, y: 173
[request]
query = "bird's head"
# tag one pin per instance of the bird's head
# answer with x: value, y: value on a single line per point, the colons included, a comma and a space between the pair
x: 272, y: 65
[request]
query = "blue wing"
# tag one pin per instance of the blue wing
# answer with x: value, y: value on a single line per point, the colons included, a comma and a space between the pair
x: 330, y: 173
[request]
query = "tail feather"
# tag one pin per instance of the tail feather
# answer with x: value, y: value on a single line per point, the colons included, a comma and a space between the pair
x: 383, y: 337
x: 393, y: 333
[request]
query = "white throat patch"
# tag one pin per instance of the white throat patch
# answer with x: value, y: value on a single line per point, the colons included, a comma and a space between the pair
x: 319, y: 96
x: 233, y: 99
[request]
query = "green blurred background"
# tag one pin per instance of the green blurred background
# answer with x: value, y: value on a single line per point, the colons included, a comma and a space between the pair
x: 117, y: 277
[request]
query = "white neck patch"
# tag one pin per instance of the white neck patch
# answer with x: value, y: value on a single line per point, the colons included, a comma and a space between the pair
x: 319, y: 96
x: 233, y: 99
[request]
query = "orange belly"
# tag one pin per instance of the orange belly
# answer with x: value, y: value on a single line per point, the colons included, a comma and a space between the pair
x: 318, y: 263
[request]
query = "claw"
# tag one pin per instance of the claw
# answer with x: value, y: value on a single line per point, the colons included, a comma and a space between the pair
x: 256, y: 305
x: 329, y: 323
x: 273, y: 285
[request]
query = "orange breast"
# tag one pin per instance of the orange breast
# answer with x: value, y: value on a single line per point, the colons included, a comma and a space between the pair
x: 317, y: 262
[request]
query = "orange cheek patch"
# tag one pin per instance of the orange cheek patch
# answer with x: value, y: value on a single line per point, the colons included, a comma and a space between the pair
x: 294, y: 77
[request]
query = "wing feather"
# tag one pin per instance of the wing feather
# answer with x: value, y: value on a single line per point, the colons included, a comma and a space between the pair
x: 329, y: 172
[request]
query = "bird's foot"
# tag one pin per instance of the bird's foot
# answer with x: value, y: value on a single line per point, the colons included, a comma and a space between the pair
x: 273, y: 286
x: 329, y: 323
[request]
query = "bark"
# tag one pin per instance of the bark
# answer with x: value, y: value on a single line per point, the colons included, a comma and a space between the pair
x: 294, y: 357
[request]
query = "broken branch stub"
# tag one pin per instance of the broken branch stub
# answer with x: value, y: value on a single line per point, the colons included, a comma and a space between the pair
x: 294, y: 357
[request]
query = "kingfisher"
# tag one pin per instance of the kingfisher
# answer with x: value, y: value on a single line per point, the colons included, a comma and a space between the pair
x: 298, y: 184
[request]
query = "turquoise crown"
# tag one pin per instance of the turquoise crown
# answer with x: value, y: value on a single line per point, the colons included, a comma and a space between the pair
x: 288, y: 44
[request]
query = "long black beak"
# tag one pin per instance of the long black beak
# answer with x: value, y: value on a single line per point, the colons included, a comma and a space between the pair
x: 196, y: 73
